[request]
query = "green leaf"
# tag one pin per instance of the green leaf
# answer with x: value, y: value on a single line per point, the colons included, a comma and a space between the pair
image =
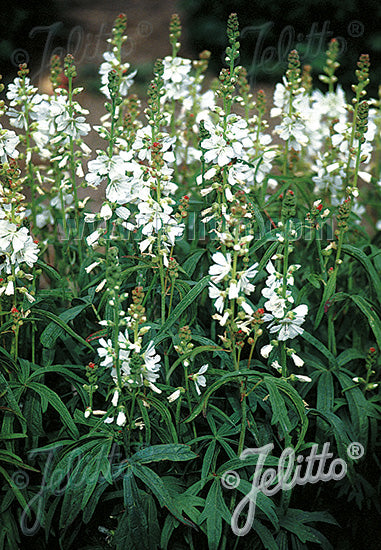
x: 297, y: 401
x: 82, y: 481
x: 370, y: 270
x: 340, y: 432
x: 191, y: 263
x: 371, y: 315
x: 319, y: 346
x: 280, y: 415
x: 157, y: 486
x: 49, y: 270
x: 265, y: 536
x: 215, y: 510
x: 133, y: 526
x: 94, y: 468
x: 156, y: 453
x: 258, y: 218
x: 225, y: 379
x: 10, y: 398
x: 16, y: 491
x: 165, y: 414
x: 325, y: 392
x: 208, y: 458
x: 357, y: 406
x: 58, y: 369
x: 52, y: 335
x: 49, y: 395
x: 263, y: 502
x: 350, y: 354
x: 329, y: 289
x: 180, y: 308
x: 11, y: 458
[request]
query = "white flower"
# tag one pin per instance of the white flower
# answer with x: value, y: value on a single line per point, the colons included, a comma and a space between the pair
x: 93, y: 238
x: 105, y: 212
x: 221, y: 318
x: 175, y: 395
x: 301, y: 378
x: 115, y: 398
x: 221, y: 267
x: 217, y: 150
x: 233, y: 291
x: 101, y: 285
x: 122, y: 212
x: 177, y: 81
x: 276, y: 366
x: 111, y: 63
x: 293, y: 129
x: 199, y: 378
x: 121, y: 418
x: 76, y: 127
x: 106, y: 352
x: 151, y: 366
x: 218, y: 295
x: 247, y: 308
x: 266, y: 350
x: 276, y: 305
x: 11, y: 236
x: 244, y: 283
x: 8, y: 142
x: 90, y: 267
x: 289, y: 326
x: 297, y: 360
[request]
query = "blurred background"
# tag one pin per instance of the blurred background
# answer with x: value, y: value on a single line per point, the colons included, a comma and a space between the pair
x: 32, y: 31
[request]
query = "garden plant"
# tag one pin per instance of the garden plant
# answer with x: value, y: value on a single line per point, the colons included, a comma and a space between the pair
x: 193, y: 361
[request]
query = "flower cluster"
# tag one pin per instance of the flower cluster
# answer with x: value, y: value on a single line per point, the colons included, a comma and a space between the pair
x: 18, y: 250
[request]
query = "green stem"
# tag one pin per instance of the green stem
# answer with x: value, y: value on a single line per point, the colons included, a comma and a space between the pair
x: 243, y: 419
x: 116, y: 340
x: 188, y: 399
x: 131, y: 416
x: 72, y: 171
x: 284, y: 294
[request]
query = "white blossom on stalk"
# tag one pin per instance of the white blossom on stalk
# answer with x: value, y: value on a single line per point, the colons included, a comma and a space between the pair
x: 276, y: 304
x: 221, y: 318
x: 199, y: 378
x: 115, y: 398
x: 233, y: 292
x: 218, y: 150
x: 149, y: 361
x: 112, y: 63
x: 72, y: 126
x: 266, y: 350
x: 17, y: 246
x: 222, y: 266
x: 175, y: 395
x: 297, y: 360
x: 8, y: 143
x: 151, y: 364
x: 106, y: 352
x: 218, y: 295
x: 121, y: 419
x: 14, y: 89
x: 301, y: 378
x: 290, y: 325
x: 176, y: 77
x: 244, y: 284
